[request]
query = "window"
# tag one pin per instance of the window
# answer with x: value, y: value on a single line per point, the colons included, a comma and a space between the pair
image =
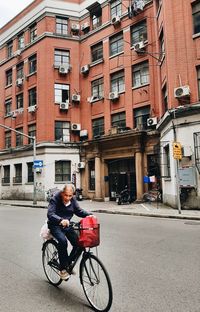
x: 20, y: 70
x: 32, y: 97
x: 95, y: 14
x: 166, y: 159
x: 19, y: 137
x: 162, y: 45
x: 96, y: 21
x: 91, y: 169
x: 97, y: 88
x: 116, y: 44
x: 8, y: 77
x: 165, y: 98
x: 117, y: 82
x: 62, y: 170
x: 140, y: 117
x: 10, y: 49
x: 19, y: 100
x: 97, y: 127
x: 115, y: 8
x: 21, y: 41
x: 139, y: 32
x: 32, y: 64
x: 8, y: 106
x: 30, y: 177
x: 31, y: 132
x: 196, y: 17
x: 61, y: 57
x: 198, y: 80
x: 97, y: 52
x: 140, y: 74
x: 18, y: 173
x: 61, y: 25
x: 8, y: 139
x: 33, y: 32
x: 6, y: 178
x: 62, y: 131
x: 61, y: 93
x: 118, y: 120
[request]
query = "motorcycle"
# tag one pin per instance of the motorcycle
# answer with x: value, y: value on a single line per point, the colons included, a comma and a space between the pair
x: 123, y: 197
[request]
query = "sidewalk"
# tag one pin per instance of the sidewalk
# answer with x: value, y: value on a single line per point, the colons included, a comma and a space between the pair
x: 144, y: 209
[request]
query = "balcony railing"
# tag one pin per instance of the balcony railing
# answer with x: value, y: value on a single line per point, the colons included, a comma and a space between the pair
x: 5, y: 180
x: 17, y: 179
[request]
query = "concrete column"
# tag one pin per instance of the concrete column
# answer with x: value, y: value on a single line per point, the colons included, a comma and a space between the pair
x: 139, y: 174
x: 97, y: 177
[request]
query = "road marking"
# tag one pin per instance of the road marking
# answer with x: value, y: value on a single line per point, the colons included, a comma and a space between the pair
x: 145, y: 207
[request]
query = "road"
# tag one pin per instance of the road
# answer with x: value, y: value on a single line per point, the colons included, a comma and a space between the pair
x: 154, y: 265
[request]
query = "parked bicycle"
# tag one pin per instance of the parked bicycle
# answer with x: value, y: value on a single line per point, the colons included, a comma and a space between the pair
x: 93, y: 276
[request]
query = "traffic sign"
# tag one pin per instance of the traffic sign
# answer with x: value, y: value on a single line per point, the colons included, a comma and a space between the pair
x: 177, y: 150
x: 38, y: 164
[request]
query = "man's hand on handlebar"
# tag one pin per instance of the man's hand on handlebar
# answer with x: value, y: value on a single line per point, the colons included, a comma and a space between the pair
x: 64, y: 223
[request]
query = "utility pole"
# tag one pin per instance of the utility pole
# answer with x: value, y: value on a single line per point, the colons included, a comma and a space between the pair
x: 34, y: 158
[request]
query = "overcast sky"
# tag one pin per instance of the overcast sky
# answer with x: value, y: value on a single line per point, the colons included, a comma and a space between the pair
x: 10, y: 8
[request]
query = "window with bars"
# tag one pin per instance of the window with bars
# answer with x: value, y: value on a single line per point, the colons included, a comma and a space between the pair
x: 31, y: 132
x: 7, y: 139
x: 20, y: 100
x: 197, y: 149
x: 116, y: 44
x: 33, y: 32
x: 62, y: 171
x: 8, y: 77
x: 19, y: 137
x: 61, y: 57
x: 61, y: 25
x: 140, y: 74
x: 8, y: 106
x: 196, y: 17
x: 18, y: 173
x: 32, y: 97
x: 117, y: 82
x: 10, y: 49
x: 20, y: 70
x: 115, y: 8
x: 20, y: 41
x: 61, y: 93
x: 91, y: 176
x: 62, y: 131
x: 6, y: 177
x: 140, y: 117
x: 30, y: 176
x: 97, y: 88
x: 118, y: 120
x: 139, y: 32
x: 98, y: 127
x: 32, y: 64
x: 97, y: 52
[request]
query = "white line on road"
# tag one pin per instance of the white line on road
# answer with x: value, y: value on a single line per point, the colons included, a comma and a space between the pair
x: 145, y: 207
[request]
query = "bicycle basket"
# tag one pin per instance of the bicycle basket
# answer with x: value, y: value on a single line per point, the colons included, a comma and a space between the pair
x: 89, y: 232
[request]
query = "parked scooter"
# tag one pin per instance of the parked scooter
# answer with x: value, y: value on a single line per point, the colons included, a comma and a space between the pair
x: 123, y: 197
x: 79, y: 193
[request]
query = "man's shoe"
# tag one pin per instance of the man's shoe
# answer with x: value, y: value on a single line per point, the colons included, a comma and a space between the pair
x: 64, y: 275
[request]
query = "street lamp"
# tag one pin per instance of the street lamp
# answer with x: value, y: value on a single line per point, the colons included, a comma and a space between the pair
x: 34, y: 158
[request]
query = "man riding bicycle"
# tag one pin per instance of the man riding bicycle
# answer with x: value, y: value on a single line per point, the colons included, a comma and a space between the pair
x: 61, y: 209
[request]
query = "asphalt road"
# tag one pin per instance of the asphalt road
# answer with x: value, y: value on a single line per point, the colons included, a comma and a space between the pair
x: 154, y: 265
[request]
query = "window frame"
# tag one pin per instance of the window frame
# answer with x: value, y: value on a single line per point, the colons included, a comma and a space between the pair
x: 61, y: 57
x: 20, y: 100
x: 33, y: 32
x: 65, y: 177
x: 98, y: 127
x: 19, y: 137
x: 61, y: 93
x: 10, y: 49
x: 61, y: 27
x: 97, y: 87
x: 117, y: 82
x: 32, y: 64
x: 196, y: 17
x: 32, y: 96
x: 140, y: 68
x: 115, y: 8
x: 120, y: 121
x: 97, y: 52
x: 62, y: 131
x: 140, y: 116
x: 7, y: 139
x: 139, y: 32
x: 116, y: 44
x: 9, y: 76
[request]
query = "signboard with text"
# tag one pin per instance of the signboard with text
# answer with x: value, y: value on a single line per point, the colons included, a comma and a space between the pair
x: 177, y: 150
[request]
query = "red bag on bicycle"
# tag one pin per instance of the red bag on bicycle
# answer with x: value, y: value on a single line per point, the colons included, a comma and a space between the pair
x: 89, y: 232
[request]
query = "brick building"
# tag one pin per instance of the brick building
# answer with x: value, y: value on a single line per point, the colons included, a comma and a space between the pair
x: 90, y: 79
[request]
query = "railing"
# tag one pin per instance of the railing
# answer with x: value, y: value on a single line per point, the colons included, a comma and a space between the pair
x: 17, y: 179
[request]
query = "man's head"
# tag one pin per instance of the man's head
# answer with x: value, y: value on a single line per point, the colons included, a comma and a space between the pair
x: 67, y: 193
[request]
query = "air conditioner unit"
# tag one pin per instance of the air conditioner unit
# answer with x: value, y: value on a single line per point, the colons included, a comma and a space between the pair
x: 182, y: 91
x: 85, y: 26
x: 64, y: 69
x: 85, y: 69
x: 75, y: 127
x: 76, y: 97
x: 19, y: 82
x: 152, y: 121
x: 18, y: 53
x: 64, y: 105
x: 81, y: 165
x: 75, y: 27
x: 32, y: 109
x: 138, y: 6
x: 113, y: 95
x: 83, y: 133
x: 13, y: 114
x: 116, y: 20
x: 139, y: 46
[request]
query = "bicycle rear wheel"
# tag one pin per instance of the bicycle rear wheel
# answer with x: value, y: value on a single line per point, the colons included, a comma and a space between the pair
x: 96, y: 283
x: 50, y: 262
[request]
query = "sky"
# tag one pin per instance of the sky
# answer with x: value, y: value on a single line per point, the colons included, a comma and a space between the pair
x: 10, y: 8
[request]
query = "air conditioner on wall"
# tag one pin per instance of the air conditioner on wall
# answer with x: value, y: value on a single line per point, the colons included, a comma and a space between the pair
x: 83, y: 133
x: 81, y: 165
x: 64, y: 105
x: 63, y: 69
x: 182, y: 91
x: 139, y: 46
x: 152, y: 121
x: 85, y: 26
x: 85, y: 69
x: 32, y: 109
x: 76, y: 97
x: 18, y: 53
x: 116, y: 20
x: 75, y: 27
x: 113, y: 95
x: 19, y: 82
x: 75, y: 127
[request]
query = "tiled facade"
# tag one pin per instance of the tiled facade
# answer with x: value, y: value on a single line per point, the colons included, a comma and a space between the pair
x: 90, y: 79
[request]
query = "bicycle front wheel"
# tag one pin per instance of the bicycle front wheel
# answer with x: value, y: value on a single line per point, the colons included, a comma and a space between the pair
x: 96, y: 283
x: 50, y: 262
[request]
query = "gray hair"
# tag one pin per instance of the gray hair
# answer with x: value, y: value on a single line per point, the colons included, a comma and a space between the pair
x: 69, y: 186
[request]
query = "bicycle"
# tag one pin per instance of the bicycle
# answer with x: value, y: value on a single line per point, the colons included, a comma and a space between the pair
x: 93, y: 275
